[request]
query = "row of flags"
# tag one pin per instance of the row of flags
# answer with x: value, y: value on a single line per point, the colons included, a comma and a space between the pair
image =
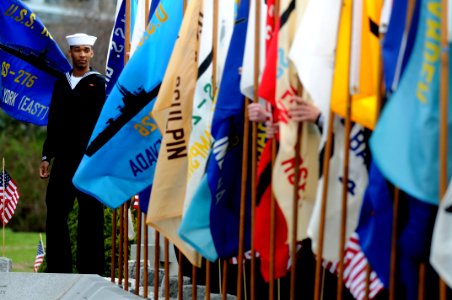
x: 171, y: 133
x: 186, y: 145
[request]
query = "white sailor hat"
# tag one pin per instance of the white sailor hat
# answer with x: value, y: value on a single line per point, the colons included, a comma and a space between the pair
x: 81, y: 39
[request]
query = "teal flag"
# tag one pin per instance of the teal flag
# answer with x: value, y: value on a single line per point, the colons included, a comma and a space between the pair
x: 195, y: 226
x: 122, y: 154
x: 405, y: 141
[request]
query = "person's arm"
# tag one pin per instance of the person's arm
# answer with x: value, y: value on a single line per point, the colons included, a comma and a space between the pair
x: 49, y: 146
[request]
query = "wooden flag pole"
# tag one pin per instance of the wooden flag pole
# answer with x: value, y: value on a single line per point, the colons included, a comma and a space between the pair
x: 207, y: 279
x: 194, y: 290
x: 295, y: 199
x: 344, y: 211
x: 121, y: 242
x: 224, y: 282
x: 243, y: 201
x: 318, y: 284
x: 272, y: 228
x: 444, y: 96
x: 145, y: 258
x: 396, y: 200
x: 214, y: 88
x: 257, y: 38
x: 243, y: 185
x: 180, y: 283
x: 380, y: 93
x: 138, y: 256
x: 276, y: 11
x: 393, y: 266
x: 166, y: 263
x: 321, y: 234
x: 126, y: 245
x: 113, y: 246
x: 156, y: 263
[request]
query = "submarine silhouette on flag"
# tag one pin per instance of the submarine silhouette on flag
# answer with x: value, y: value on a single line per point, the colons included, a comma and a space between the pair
x: 133, y: 103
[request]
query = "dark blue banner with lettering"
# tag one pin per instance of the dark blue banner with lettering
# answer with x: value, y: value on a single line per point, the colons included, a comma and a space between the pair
x: 30, y: 63
x: 115, y: 60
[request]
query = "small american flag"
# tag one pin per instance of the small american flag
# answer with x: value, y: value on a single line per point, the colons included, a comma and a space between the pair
x: 136, y: 202
x: 39, y: 256
x: 9, y: 195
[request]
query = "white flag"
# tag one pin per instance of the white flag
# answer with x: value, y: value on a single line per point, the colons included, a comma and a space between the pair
x: 357, y: 183
x: 203, y: 107
x: 313, y: 50
x: 139, y: 25
x: 441, y: 251
x: 247, y: 80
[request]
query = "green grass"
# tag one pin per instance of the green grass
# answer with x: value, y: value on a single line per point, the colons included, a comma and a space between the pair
x: 21, y: 248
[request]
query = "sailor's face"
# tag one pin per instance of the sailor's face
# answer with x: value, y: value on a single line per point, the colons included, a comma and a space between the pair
x: 81, y: 56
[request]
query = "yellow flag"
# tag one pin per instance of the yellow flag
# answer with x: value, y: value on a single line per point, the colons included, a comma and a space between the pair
x: 173, y: 115
x: 358, y: 77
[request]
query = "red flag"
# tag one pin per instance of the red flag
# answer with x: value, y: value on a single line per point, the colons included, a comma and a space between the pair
x: 262, y: 227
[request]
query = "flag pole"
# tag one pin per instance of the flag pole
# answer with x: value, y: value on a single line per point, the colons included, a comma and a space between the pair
x: 243, y: 185
x: 214, y: 88
x: 319, y: 275
x: 295, y: 199
x: 380, y: 92
x: 138, y: 253
x: 156, y: 263
x: 326, y: 175
x: 396, y: 201
x: 113, y: 246
x: 276, y: 11
x: 3, y: 206
x: 345, y: 176
x: 257, y: 30
x: 123, y: 238
x: 444, y: 96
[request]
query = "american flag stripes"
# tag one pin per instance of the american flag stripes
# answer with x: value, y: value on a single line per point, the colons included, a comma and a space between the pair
x: 355, y: 266
x: 136, y: 202
x: 9, y: 195
x: 39, y: 256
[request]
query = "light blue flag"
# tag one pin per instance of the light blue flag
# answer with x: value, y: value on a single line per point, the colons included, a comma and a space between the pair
x: 405, y: 141
x: 195, y: 226
x: 30, y: 63
x: 122, y: 154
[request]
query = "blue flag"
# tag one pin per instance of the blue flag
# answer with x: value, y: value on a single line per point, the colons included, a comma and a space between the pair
x: 225, y: 161
x: 375, y: 224
x: 414, y: 243
x: 30, y: 61
x: 405, y: 141
x: 115, y: 59
x: 154, y: 4
x: 398, y: 42
x: 121, y: 156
